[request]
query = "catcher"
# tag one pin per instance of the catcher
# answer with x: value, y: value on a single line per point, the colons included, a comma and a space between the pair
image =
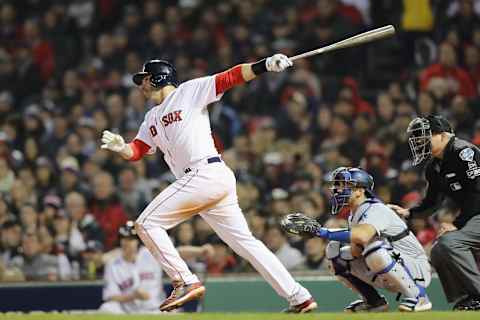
x: 376, y: 251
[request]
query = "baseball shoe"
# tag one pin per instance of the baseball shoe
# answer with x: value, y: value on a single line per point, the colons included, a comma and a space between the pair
x: 182, y: 294
x: 470, y: 303
x: 305, y: 307
x: 415, y: 304
x: 361, y: 306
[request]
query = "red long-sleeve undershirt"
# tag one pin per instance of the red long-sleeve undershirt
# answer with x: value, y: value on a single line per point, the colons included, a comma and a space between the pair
x: 223, y: 82
x: 228, y: 79
x: 139, y: 149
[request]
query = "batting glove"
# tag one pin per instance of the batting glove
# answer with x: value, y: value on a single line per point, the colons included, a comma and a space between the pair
x: 278, y: 63
x: 112, y: 141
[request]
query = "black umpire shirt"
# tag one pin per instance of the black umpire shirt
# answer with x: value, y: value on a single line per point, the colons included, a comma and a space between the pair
x: 456, y: 176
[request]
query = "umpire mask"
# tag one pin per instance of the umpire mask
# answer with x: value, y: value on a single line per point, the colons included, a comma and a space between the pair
x: 420, y: 140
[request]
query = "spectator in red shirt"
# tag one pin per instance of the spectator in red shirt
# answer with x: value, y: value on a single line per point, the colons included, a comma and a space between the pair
x: 107, y: 209
x: 458, y: 80
x: 43, y: 54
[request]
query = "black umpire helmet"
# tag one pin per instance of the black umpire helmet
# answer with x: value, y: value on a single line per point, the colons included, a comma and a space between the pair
x: 127, y: 231
x: 162, y: 73
x: 420, y: 131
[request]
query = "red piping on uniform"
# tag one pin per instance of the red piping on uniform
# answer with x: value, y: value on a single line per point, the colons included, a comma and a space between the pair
x: 139, y: 149
x: 228, y: 79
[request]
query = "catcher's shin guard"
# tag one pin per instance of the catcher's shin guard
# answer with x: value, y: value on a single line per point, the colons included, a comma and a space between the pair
x: 394, y: 275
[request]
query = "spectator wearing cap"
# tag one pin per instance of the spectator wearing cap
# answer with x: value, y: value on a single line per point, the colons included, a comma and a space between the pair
x: 106, y: 208
x: 92, y: 261
x: 70, y: 177
x: 84, y: 227
x: 51, y: 205
x: 279, y: 202
x: 276, y: 241
x: 408, y: 180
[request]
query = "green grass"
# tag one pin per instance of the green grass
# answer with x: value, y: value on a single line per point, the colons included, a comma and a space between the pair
x: 252, y: 316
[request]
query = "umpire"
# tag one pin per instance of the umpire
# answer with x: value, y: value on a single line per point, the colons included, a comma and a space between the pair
x: 452, y: 171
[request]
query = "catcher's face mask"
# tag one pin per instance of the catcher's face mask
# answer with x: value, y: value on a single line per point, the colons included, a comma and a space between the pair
x: 420, y: 140
x: 341, y: 187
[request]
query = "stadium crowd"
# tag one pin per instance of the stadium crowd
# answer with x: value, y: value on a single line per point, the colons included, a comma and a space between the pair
x: 65, y: 76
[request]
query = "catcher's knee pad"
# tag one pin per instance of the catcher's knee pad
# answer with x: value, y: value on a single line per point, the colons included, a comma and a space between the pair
x: 392, y: 273
x: 339, y: 257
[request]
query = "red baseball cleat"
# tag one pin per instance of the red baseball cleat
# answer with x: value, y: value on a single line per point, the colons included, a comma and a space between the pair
x: 182, y: 294
x: 305, y: 307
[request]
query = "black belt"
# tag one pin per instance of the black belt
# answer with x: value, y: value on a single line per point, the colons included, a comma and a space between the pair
x: 399, y: 236
x: 209, y: 160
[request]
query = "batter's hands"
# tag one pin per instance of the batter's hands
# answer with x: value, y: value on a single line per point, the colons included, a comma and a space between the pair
x: 112, y: 141
x: 402, y: 212
x: 278, y: 63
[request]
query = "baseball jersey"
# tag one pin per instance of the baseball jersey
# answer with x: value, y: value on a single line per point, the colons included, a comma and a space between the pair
x: 457, y: 177
x: 180, y: 125
x: 388, y: 224
x: 123, y: 277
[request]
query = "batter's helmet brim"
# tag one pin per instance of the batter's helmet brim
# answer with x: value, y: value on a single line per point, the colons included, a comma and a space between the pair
x: 138, y: 77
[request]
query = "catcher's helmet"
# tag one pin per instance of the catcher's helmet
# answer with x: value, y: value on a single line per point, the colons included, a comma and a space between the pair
x: 343, y: 180
x: 162, y: 73
x: 127, y: 231
x: 420, y: 132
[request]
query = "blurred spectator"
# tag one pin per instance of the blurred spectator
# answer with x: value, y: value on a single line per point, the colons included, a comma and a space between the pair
x: 315, y: 254
x: 84, y: 227
x: 34, y: 264
x: 106, y: 208
x: 11, y: 237
x: 7, y: 176
x: 276, y: 241
x: 457, y: 79
x: 131, y: 196
x: 222, y: 260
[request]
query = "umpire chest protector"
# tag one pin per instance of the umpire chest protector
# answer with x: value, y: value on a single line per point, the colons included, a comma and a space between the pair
x: 456, y: 176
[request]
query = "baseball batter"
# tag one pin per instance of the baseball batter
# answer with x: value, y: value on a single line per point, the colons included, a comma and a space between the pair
x: 377, y: 250
x: 179, y: 127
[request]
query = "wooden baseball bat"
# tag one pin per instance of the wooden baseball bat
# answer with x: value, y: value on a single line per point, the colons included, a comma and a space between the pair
x: 365, y: 37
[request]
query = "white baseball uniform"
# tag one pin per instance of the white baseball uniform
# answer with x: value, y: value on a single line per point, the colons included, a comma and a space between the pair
x: 123, y: 277
x: 180, y: 128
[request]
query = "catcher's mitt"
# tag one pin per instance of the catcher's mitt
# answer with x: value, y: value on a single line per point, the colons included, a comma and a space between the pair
x: 300, y: 224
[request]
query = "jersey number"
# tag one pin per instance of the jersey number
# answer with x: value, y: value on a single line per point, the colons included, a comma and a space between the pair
x: 153, y: 131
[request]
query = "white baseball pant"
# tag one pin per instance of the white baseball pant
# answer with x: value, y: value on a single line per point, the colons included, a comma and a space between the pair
x: 210, y: 190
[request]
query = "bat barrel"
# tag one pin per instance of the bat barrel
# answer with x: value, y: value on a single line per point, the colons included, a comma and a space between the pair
x: 358, y: 39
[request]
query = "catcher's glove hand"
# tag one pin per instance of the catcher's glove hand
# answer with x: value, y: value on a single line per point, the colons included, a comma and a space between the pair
x: 300, y: 224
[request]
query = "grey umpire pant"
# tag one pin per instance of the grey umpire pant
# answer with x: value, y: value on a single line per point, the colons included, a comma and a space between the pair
x: 453, y: 258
